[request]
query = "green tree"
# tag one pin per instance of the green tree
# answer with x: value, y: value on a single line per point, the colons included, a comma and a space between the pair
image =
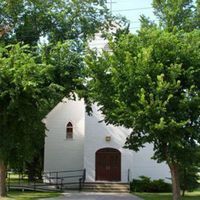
x: 189, y: 178
x: 150, y: 83
x: 183, y: 14
x: 29, y: 88
x: 56, y: 20
x: 189, y: 173
x: 34, y: 78
x: 21, y: 85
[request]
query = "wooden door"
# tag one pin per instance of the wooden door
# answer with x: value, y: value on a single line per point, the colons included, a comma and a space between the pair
x: 108, y: 165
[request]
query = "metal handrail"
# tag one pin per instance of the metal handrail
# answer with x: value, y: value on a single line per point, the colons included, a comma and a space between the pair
x: 128, y: 177
x: 58, y: 183
x: 53, y: 177
x: 79, y: 170
x: 82, y: 180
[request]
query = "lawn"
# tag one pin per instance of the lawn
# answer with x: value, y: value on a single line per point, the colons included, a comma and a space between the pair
x: 29, y: 195
x: 14, y: 178
x: 166, y: 196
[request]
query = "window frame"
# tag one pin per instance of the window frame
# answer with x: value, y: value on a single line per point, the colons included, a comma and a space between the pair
x: 69, y: 131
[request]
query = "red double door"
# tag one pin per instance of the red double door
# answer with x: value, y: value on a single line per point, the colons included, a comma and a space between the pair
x: 108, y: 165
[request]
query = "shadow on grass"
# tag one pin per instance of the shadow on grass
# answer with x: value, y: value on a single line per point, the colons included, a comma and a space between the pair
x: 16, y: 195
x: 167, y: 196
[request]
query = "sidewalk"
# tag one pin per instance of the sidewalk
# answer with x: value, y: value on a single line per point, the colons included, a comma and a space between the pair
x: 95, y: 196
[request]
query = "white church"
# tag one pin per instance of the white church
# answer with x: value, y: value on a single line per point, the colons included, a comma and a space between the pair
x: 74, y: 141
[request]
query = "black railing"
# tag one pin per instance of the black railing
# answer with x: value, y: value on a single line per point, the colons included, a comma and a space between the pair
x: 82, y: 180
x: 52, y: 181
x: 128, y: 176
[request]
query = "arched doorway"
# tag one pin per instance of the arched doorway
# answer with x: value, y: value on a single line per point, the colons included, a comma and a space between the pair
x: 108, y: 165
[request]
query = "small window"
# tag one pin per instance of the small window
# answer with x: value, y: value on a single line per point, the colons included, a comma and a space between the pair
x: 69, y: 131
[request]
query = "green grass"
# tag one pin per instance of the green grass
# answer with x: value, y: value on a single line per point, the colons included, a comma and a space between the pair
x: 166, y: 196
x: 29, y: 195
x: 14, y: 179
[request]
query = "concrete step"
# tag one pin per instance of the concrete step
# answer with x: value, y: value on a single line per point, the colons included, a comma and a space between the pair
x: 106, y: 187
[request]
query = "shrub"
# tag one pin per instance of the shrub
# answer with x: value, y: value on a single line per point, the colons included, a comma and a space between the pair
x: 145, y: 184
x: 160, y: 186
x: 141, y: 185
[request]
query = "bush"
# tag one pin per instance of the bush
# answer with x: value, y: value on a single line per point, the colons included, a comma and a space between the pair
x: 140, y: 185
x: 160, y: 186
x: 145, y: 184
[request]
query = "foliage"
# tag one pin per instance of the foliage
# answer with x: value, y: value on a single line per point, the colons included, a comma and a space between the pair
x: 21, y: 85
x: 34, y: 78
x: 56, y: 20
x: 25, y: 85
x: 189, y: 178
x: 182, y: 14
x: 152, y: 85
x: 34, y: 168
x: 189, y: 173
x: 151, y: 82
x: 145, y: 184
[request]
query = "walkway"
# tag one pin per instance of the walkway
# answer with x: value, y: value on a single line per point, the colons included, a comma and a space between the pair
x: 95, y: 196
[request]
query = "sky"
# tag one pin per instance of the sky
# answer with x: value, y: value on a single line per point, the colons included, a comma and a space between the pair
x: 132, y: 9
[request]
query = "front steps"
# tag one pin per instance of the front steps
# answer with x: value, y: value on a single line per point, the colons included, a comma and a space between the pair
x: 106, y: 187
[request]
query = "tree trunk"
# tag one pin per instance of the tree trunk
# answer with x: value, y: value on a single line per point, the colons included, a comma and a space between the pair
x: 175, y: 181
x: 184, y: 183
x: 2, y: 179
x: 183, y: 193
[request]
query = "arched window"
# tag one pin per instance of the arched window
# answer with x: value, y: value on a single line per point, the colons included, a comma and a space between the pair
x: 69, y: 131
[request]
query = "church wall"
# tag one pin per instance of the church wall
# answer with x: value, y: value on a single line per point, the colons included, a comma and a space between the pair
x: 138, y: 163
x: 95, y: 139
x: 144, y: 165
x: 63, y: 154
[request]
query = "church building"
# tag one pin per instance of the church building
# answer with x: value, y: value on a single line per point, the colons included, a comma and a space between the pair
x: 74, y: 141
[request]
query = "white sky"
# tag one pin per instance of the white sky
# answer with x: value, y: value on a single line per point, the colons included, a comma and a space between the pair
x: 132, y: 9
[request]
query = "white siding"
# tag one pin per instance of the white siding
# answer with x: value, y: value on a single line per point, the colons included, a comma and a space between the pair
x: 144, y: 165
x: 139, y: 163
x: 63, y: 154
x: 95, y: 133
